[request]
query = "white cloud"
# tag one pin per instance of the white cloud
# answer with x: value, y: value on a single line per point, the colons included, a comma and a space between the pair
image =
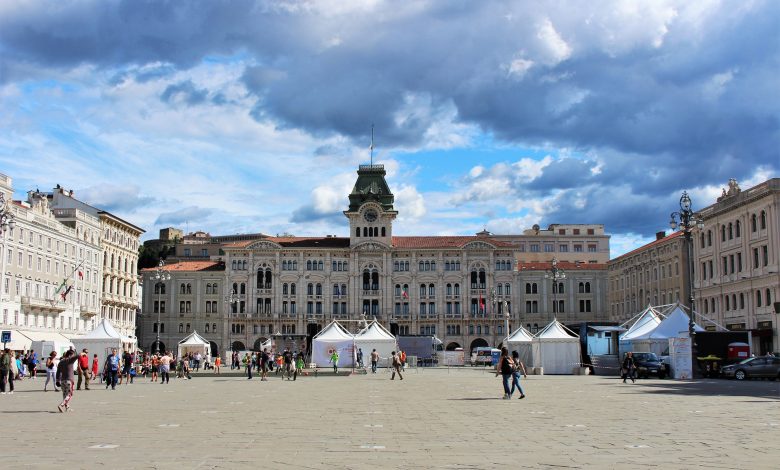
x: 553, y: 47
x: 409, y: 203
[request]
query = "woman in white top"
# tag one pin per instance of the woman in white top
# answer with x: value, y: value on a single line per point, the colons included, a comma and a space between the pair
x: 51, y: 371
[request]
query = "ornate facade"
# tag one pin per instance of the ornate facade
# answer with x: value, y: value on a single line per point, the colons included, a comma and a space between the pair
x: 458, y: 288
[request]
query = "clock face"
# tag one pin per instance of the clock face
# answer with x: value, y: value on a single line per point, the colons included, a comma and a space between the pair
x: 370, y: 215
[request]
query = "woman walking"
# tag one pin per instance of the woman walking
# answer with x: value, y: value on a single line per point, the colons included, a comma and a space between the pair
x: 629, y: 368
x: 217, y: 364
x: 505, y: 367
x: 95, y: 366
x: 519, y: 367
x: 51, y: 372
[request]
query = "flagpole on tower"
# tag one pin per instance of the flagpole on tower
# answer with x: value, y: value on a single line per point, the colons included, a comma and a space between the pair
x: 371, y: 148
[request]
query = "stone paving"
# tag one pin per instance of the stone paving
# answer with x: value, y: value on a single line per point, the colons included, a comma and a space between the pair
x: 435, y: 418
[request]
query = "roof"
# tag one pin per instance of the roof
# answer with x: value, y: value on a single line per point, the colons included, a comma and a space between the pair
x: 619, y: 329
x: 565, y: 265
x: 445, y: 242
x: 671, y: 236
x: 398, y: 242
x: 556, y: 330
x: 191, y: 266
x: 121, y: 220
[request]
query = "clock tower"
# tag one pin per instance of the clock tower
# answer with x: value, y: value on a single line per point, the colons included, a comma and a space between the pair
x: 371, y: 210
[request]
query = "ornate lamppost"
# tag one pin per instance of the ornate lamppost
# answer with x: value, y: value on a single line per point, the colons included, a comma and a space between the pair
x: 496, y: 302
x: 232, y: 299
x: 688, y: 221
x: 555, y: 274
x: 160, y: 276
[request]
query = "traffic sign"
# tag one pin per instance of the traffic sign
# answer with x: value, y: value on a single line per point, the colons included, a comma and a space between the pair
x: 6, y: 336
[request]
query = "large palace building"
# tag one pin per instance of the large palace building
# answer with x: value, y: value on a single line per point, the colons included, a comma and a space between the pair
x: 461, y: 289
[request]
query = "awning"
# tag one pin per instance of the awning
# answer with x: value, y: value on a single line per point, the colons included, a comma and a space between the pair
x: 607, y: 328
x: 19, y: 342
x: 45, y: 336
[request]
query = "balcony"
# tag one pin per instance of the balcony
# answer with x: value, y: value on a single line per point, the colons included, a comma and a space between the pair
x: 372, y: 292
x: 88, y: 311
x: 263, y: 291
x: 43, y: 306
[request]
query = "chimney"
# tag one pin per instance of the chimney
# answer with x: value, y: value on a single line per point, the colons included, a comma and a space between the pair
x: 659, y: 235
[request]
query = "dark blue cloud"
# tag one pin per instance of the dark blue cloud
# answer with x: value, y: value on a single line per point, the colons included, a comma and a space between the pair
x: 185, y: 92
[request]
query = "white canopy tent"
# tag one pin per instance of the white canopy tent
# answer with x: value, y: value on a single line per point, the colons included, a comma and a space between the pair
x: 648, y: 320
x: 521, y: 340
x: 375, y: 336
x: 556, y: 349
x: 675, y: 325
x: 333, y: 337
x: 194, y: 344
x: 102, y: 339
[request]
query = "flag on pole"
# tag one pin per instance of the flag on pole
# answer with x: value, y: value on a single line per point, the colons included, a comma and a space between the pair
x: 481, y: 303
x: 405, y: 294
x: 81, y: 274
x: 64, y: 295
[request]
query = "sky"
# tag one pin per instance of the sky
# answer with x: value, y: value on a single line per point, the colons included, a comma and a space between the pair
x: 252, y: 116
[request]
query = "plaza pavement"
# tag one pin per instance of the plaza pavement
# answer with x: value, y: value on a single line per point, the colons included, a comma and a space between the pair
x: 435, y: 418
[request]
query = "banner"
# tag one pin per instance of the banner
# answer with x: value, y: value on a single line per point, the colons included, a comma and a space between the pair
x: 680, y: 351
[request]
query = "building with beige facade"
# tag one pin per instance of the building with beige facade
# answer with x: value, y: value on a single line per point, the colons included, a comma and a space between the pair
x: 653, y: 274
x: 48, y: 252
x: 119, y: 244
x: 458, y: 288
x: 737, y: 280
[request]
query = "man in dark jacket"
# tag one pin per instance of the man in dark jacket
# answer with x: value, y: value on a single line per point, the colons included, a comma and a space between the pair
x: 629, y: 368
x: 65, y: 378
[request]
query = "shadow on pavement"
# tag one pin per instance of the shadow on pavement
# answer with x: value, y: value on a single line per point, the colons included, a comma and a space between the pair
x: 752, y: 389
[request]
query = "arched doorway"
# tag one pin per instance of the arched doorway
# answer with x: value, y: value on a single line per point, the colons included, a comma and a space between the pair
x: 479, y: 343
x: 311, y: 331
x: 238, y: 346
x: 214, y: 349
x: 394, y: 329
x: 157, y: 347
x: 452, y: 346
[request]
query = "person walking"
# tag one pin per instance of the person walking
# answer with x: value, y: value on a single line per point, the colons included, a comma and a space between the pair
x: 165, y: 368
x: 519, y: 367
x: 83, y: 369
x: 65, y: 379
x: 360, y: 358
x: 51, y: 372
x: 506, y: 368
x: 396, y: 363
x: 628, y: 369
x: 374, y: 361
x: 217, y: 363
x: 198, y: 358
x: 32, y: 362
x: 111, y: 368
x: 288, y: 364
x: 265, y: 361
x: 248, y: 364
x: 402, y: 357
x: 7, y: 373
x: 299, y: 363
x: 95, y: 367
x: 334, y: 358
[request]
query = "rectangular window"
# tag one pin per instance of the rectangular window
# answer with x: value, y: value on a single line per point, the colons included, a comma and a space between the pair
x: 549, y: 248
x: 563, y: 248
x: 765, y: 251
x: 576, y: 231
x: 591, y: 248
x: 755, y: 258
x: 578, y: 248
x: 534, y: 248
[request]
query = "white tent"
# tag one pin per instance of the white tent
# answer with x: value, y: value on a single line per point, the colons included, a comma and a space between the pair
x: 102, y: 339
x: 375, y: 336
x: 194, y: 344
x: 675, y: 325
x: 521, y: 341
x: 556, y: 349
x: 333, y: 338
x: 648, y: 320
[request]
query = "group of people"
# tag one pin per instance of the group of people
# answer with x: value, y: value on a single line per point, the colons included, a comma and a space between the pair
x: 510, y: 369
x: 289, y: 363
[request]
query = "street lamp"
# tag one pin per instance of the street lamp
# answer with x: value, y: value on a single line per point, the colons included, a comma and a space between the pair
x: 555, y: 274
x: 494, y: 300
x: 232, y: 300
x: 160, y: 276
x: 688, y: 221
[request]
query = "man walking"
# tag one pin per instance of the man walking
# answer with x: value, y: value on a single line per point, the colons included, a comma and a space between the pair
x: 65, y: 379
x: 264, y: 358
x: 83, y: 369
x: 165, y: 369
x: 360, y: 358
x: 334, y: 358
x: 396, y: 367
x: 374, y: 360
x: 248, y: 362
x: 112, y: 369
x: 288, y: 359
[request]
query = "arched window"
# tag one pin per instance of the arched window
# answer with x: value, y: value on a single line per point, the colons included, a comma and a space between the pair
x: 709, y: 237
x: 213, y: 327
x: 449, y: 289
x: 308, y: 265
x: 758, y: 298
x: 723, y: 233
x: 702, y: 239
x: 587, y: 287
x: 727, y: 303
x: 182, y: 289
x: 431, y: 290
x: 731, y: 231
x: 768, y: 297
x: 457, y: 290
x: 318, y: 289
x: 763, y: 220
x: 285, y: 289
x: 189, y: 288
x: 753, y: 223
x: 310, y: 289
x: 433, y: 265
x: 320, y: 266
x: 292, y: 288
x: 243, y: 288
x: 357, y: 232
x: 383, y: 232
x: 365, y: 231
x: 508, y: 289
x: 738, y: 227
x: 421, y: 266
x: 181, y: 327
x: 527, y: 287
x: 422, y: 290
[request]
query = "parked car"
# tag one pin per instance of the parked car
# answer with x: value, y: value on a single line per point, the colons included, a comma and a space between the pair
x: 648, y: 364
x: 483, y: 356
x: 767, y: 366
